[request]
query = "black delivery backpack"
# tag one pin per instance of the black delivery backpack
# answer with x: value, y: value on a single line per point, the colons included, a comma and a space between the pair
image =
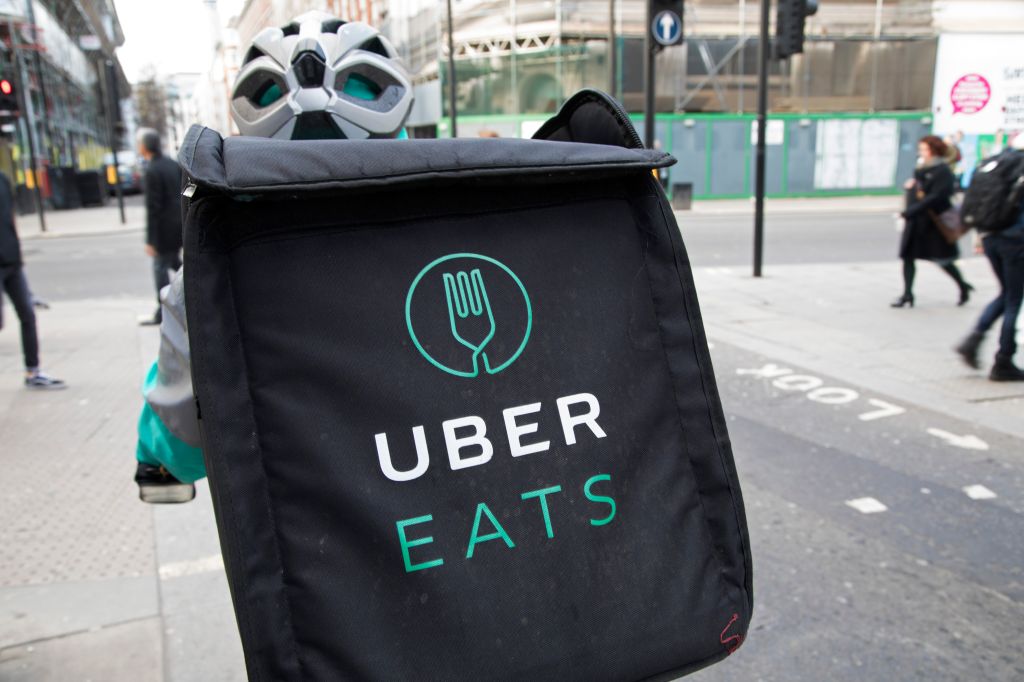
x: 457, y: 408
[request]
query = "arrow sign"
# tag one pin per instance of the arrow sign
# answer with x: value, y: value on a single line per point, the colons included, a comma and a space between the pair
x: 968, y: 442
x: 667, y: 28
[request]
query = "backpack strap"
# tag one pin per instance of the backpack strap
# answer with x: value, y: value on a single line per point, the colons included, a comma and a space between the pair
x: 593, y: 117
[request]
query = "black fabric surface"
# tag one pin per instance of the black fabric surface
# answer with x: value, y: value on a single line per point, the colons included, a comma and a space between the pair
x: 10, y: 248
x: 320, y: 321
x: 591, y: 117
x: 921, y: 238
x: 245, y: 164
x: 162, y: 188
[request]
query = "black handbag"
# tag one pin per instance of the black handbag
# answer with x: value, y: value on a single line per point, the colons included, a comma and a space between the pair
x: 457, y: 408
x: 947, y: 222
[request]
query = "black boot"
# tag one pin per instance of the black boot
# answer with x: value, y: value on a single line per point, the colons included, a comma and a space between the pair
x: 965, y: 289
x: 968, y: 349
x: 905, y: 299
x: 1005, y: 370
x: 965, y: 292
x: 152, y: 321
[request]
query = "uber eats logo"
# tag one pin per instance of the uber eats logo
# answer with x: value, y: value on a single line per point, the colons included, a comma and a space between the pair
x: 468, y: 314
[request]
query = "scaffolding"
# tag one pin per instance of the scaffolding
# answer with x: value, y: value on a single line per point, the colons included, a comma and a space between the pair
x: 525, y: 56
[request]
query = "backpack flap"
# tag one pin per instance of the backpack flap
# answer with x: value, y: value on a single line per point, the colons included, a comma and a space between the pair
x: 592, y: 117
x: 246, y: 166
x: 458, y: 412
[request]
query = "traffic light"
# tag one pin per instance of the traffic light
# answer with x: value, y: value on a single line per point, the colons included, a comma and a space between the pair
x: 789, y: 26
x: 8, y: 99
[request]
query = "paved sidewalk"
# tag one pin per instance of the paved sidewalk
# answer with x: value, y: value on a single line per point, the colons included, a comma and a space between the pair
x: 835, y: 319
x: 78, y: 596
x: 86, y: 221
x: 841, y: 205
x: 94, y: 584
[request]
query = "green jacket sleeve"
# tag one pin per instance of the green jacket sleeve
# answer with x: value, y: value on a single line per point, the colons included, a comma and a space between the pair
x: 169, y: 425
x: 159, y: 447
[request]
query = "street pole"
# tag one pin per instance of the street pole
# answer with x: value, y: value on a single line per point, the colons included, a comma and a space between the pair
x: 762, y: 120
x: 650, y: 49
x: 37, y: 63
x: 113, y: 105
x: 874, y: 52
x: 451, y: 72
x: 30, y: 128
x: 612, y: 49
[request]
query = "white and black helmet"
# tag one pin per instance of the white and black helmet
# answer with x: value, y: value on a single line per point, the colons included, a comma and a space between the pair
x: 321, y: 77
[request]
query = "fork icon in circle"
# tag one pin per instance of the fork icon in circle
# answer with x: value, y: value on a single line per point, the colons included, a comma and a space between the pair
x: 469, y: 313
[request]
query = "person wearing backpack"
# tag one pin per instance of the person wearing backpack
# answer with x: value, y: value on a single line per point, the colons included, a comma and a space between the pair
x: 995, y: 206
x: 168, y: 454
x: 929, y: 194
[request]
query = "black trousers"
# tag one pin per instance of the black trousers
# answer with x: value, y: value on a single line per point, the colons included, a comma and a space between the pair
x: 163, y: 265
x: 14, y: 284
x: 1006, y: 254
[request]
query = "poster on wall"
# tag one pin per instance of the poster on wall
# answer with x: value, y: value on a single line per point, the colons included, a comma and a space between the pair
x: 879, y: 152
x: 836, y: 154
x: 852, y: 154
x: 774, y: 132
x: 979, y: 84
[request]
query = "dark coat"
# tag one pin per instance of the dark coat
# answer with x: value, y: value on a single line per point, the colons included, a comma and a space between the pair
x: 921, y: 238
x: 162, y: 185
x: 10, y: 248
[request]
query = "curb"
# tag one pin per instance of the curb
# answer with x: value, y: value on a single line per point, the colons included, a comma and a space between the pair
x: 788, y: 211
x: 82, y: 233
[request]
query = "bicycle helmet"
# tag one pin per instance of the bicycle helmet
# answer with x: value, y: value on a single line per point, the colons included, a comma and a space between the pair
x: 321, y: 77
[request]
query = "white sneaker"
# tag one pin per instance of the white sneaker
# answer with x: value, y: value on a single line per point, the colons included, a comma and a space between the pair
x: 43, y: 382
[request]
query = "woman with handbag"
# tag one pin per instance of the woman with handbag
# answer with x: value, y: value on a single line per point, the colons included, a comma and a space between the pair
x: 925, y: 233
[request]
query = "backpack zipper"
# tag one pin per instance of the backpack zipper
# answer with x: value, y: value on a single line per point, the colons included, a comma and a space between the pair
x: 624, y: 119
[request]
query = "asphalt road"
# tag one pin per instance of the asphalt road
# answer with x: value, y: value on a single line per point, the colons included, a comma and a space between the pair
x: 871, y: 560
x: 77, y: 268
x: 74, y: 268
x: 790, y: 238
x: 925, y: 589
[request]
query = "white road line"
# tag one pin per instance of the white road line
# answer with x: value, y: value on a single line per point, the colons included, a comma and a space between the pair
x: 968, y: 442
x: 178, y: 569
x: 767, y: 372
x: 867, y: 505
x: 884, y: 410
x: 797, y: 382
x: 979, y: 492
x: 831, y: 395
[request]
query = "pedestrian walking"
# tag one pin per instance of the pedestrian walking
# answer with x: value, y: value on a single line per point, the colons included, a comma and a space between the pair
x: 1005, y: 252
x: 929, y: 194
x: 15, y: 285
x: 162, y: 187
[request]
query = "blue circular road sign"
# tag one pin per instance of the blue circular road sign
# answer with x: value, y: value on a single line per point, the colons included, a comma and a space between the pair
x: 667, y: 28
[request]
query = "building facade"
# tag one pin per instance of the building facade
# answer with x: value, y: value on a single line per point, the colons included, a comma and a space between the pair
x: 57, y: 53
x: 846, y: 113
x: 524, y: 56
